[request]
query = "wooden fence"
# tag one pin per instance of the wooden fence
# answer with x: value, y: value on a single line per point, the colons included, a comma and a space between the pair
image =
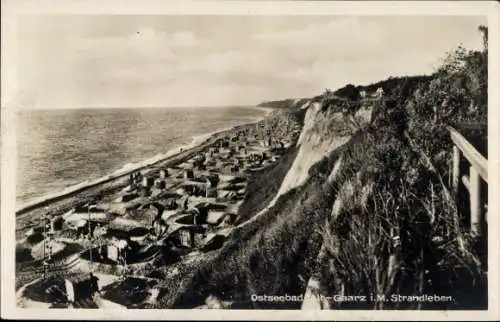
x: 472, y: 182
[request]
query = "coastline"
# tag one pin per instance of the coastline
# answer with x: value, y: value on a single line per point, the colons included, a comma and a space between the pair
x: 180, y: 151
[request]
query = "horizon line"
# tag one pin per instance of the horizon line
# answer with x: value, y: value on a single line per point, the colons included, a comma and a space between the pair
x: 136, y: 107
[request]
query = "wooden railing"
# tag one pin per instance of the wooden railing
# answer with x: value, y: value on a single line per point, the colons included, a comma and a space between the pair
x: 478, y: 172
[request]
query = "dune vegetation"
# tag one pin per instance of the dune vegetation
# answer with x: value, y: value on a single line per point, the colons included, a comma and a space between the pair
x: 395, y: 228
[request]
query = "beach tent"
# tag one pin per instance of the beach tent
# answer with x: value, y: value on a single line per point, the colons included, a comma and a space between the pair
x: 379, y: 92
x: 214, y: 217
x: 80, y: 223
x: 212, y: 180
x: 41, y: 250
x: 211, y: 193
x: 56, y: 223
x: 188, y: 236
x: 34, y: 231
x: 92, y: 216
x: 188, y: 174
x: 117, y: 250
x: 147, y: 181
x: 164, y: 173
x: 124, y: 224
x: 168, y: 213
x: 160, y: 184
x: 213, y: 241
x: 128, y: 197
x: 128, y: 188
x: 80, y: 287
x: 184, y: 235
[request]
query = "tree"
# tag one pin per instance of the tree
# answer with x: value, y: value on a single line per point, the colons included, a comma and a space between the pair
x: 484, y: 30
x: 349, y: 91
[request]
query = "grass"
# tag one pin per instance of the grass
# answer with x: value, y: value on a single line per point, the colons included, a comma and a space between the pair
x: 394, y: 228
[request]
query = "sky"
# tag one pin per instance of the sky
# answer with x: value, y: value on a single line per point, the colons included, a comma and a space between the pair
x: 73, y: 61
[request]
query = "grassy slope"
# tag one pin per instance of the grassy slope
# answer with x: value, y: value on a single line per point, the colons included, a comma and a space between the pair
x: 264, y: 185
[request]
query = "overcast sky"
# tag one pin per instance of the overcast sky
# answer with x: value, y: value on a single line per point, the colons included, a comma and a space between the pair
x: 103, y: 61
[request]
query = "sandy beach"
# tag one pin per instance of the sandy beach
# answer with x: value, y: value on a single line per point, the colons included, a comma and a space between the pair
x: 170, y: 157
x: 83, y: 189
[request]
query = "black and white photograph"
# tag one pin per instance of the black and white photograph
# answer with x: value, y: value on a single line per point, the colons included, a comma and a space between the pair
x: 259, y: 160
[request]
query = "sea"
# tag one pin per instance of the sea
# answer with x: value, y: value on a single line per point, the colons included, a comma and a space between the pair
x: 63, y: 147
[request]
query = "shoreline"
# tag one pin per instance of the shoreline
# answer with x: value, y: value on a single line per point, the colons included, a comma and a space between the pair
x: 169, y: 156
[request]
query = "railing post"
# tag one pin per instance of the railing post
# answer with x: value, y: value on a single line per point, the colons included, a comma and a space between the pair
x: 475, y: 202
x: 455, y: 171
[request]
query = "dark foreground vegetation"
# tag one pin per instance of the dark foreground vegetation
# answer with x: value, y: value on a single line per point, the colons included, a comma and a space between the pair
x: 399, y: 231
